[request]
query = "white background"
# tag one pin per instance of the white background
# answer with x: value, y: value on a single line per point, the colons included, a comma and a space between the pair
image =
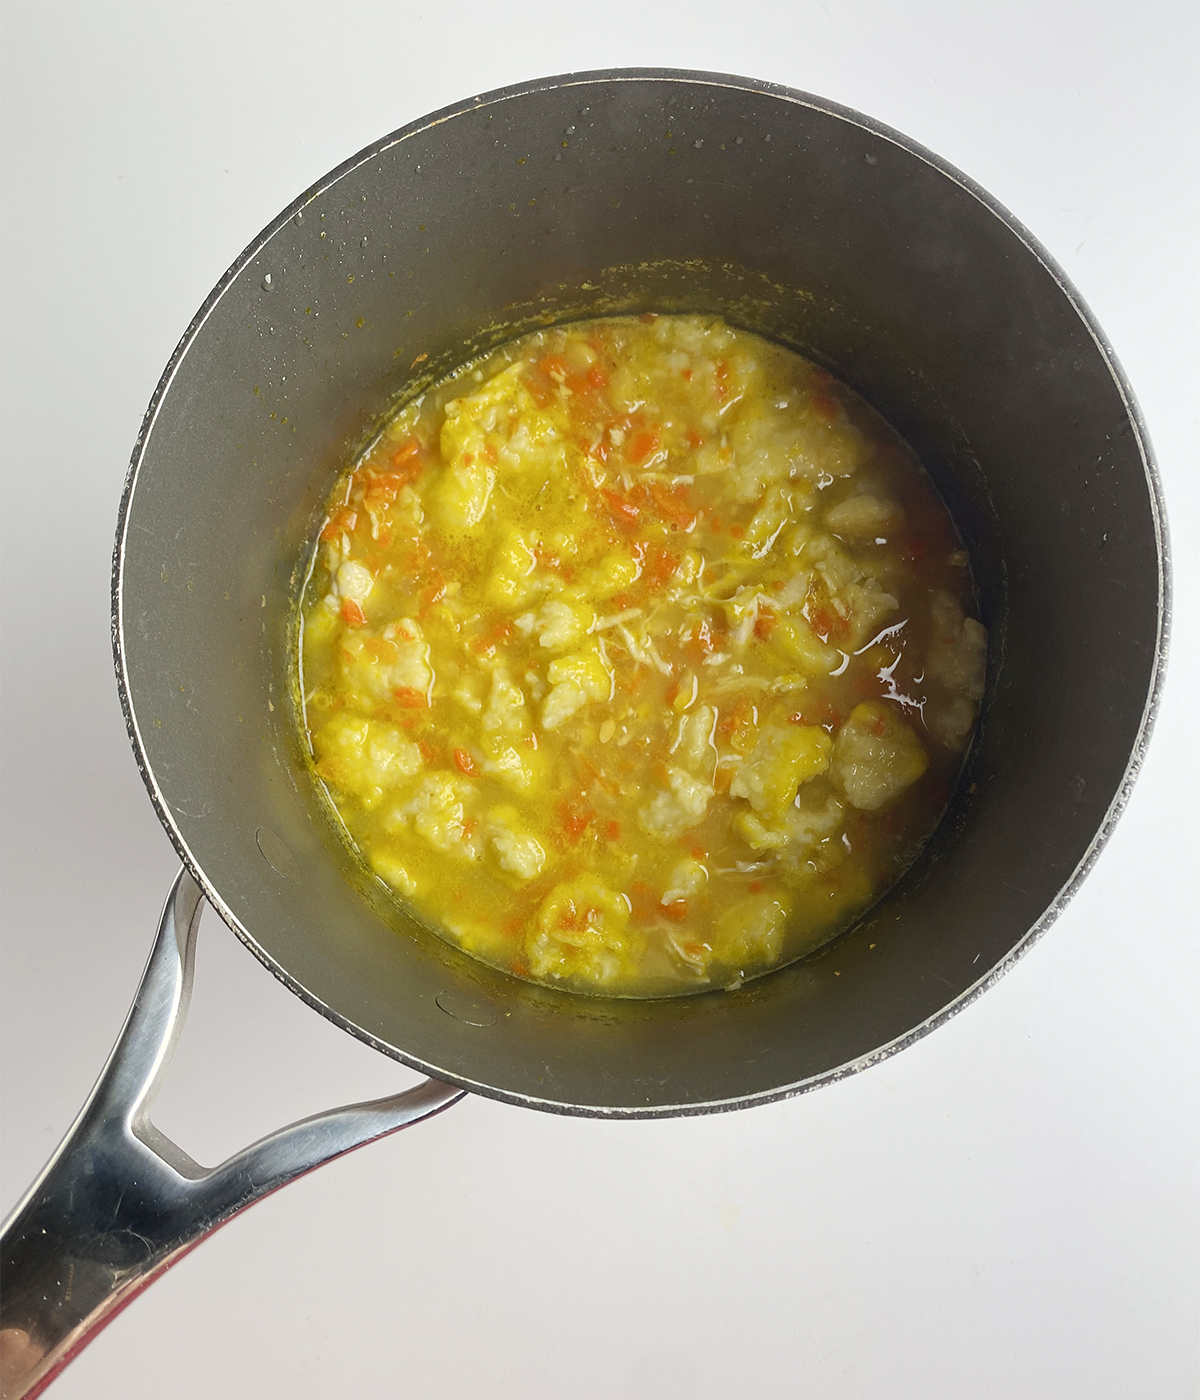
x: 1007, y: 1209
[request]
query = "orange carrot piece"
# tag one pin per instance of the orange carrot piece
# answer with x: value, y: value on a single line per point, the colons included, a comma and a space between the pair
x: 464, y: 762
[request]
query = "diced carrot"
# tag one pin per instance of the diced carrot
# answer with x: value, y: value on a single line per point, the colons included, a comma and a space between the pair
x: 468, y: 827
x: 687, y: 374
x: 677, y: 910
x: 412, y: 699
x: 642, y: 445
x: 464, y: 762
x: 672, y: 504
x: 576, y: 816
x: 514, y: 924
x: 624, y: 513
x: 352, y: 614
x: 737, y: 532
x: 827, y: 623
x: 699, y: 853
x: 382, y: 490
x: 554, y: 367
x: 699, y: 641
x: 408, y: 450
x: 648, y: 317
x: 341, y: 522
x: 597, y: 377
x: 765, y: 624
x: 755, y: 886
x: 660, y: 564
x: 612, y: 831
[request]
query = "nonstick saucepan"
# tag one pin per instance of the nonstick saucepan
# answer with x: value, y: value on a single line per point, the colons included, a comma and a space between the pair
x: 586, y: 195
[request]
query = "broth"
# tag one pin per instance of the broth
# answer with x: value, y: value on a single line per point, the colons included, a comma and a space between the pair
x: 638, y: 657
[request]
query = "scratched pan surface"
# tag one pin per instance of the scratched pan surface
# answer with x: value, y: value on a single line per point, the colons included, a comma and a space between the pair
x: 625, y: 191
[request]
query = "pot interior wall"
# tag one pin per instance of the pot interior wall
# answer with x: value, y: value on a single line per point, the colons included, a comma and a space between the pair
x: 607, y: 194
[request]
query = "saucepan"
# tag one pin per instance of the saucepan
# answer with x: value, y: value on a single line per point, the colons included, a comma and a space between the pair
x: 575, y: 196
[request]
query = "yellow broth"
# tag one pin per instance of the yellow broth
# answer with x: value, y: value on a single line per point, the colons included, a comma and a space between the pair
x: 638, y: 657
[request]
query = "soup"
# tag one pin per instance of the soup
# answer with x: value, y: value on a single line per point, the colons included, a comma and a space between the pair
x: 638, y: 657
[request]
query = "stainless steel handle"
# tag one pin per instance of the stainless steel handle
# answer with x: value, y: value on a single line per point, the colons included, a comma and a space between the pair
x: 119, y: 1203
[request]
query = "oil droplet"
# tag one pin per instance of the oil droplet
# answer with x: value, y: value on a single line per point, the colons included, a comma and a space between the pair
x: 363, y: 244
x: 350, y: 278
x: 298, y: 216
x: 267, y: 282
x: 697, y: 144
x: 359, y: 323
x: 737, y: 141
